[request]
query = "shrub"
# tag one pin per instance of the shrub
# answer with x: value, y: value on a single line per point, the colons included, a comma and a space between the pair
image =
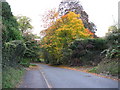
x: 32, y: 51
x: 12, y: 52
x: 86, y: 51
x: 112, y: 37
x: 65, y: 59
x: 25, y: 62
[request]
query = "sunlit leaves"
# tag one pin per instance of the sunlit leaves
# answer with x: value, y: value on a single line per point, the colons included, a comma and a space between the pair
x: 24, y: 24
x: 66, y: 29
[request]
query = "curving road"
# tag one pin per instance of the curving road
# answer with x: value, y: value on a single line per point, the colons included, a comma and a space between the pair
x: 54, y: 77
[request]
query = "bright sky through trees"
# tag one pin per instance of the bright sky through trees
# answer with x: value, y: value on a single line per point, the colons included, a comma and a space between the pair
x: 103, y: 13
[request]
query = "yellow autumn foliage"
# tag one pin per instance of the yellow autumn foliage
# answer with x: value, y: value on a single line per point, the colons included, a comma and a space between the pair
x: 66, y: 29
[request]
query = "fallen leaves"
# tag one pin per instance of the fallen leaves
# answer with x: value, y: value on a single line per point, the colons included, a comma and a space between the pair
x: 86, y: 70
x: 32, y: 68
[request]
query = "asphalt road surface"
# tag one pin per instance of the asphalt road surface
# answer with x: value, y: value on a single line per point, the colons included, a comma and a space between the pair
x: 55, y: 77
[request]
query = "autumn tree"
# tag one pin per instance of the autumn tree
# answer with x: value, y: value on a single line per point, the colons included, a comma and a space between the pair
x: 61, y: 33
x: 74, y: 5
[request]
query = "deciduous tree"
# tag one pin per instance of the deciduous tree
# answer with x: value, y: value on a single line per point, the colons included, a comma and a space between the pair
x: 62, y: 32
x: 75, y: 6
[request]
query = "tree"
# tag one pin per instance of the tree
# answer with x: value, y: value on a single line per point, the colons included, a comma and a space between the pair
x: 113, y: 35
x: 12, y: 45
x: 24, y: 23
x: 10, y: 29
x: 69, y: 5
x: 49, y: 18
x: 112, y: 29
x: 74, y: 5
x: 61, y: 33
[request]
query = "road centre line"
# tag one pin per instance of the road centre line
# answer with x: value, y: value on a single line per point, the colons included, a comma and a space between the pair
x: 46, y: 81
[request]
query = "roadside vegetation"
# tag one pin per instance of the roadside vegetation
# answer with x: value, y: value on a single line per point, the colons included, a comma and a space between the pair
x: 12, y: 76
x: 69, y: 39
x: 19, y: 46
x: 109, y: 63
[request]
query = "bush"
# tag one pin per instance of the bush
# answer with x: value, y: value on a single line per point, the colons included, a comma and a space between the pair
x: 94, y: 44
x: 113, y: 40
x: 109, y: 64
x: 12, y: 52
x: 32, y: 51
x: 85, y: 51
x: 99, y: 44
x: 65, y: 59
x: 25, y: 62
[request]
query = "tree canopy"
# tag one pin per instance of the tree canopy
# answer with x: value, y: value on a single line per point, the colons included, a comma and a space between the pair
x: 10, y: 30
x: 24, y: 23
x: 75, y: 6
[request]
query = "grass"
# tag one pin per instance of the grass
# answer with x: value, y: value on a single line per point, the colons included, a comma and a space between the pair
x: 31, y: 64
x: 25, y: 62
x: 11, y: 77
x: 42, y: 60
x: 0, y: 80
x: 93, y: 70
x: 109, y: 67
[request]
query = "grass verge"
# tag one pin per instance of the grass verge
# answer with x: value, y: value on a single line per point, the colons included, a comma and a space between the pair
x: 11, y: 77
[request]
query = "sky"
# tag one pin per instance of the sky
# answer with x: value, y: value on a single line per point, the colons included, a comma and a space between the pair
x: 103, y: 13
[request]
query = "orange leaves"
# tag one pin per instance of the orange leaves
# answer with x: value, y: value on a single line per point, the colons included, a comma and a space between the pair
x: 89, y: 32
x: 64, y: 17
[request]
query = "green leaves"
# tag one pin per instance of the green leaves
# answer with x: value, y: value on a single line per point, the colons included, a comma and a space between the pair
x: 24, y: 23
x: 113, y: 42
x: 10, y: 25
x: 13, y: 52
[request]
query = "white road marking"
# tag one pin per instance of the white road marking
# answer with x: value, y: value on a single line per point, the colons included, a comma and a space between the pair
x: 48, y: 85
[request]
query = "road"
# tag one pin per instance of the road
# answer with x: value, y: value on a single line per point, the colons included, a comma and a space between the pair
x: 55, y: 77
